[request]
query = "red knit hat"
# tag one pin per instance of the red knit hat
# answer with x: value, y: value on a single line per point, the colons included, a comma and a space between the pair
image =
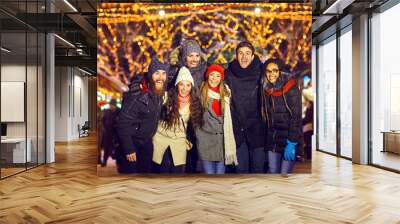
x: 215, y: 68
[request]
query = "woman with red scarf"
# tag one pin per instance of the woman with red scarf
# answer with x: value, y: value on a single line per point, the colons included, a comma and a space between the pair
x: 281, y: 110
x: 215, y: 140
x: 182, y: 110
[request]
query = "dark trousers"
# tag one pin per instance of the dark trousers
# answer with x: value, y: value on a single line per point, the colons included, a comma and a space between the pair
x: 144, y: 156
x: 250, y: 160
x: 308, y: 144
x: 191, y: 160
x: 108, y: 151
x: 167, y: 164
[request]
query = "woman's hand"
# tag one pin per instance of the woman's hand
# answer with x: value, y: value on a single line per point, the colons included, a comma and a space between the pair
x: 190, y: 145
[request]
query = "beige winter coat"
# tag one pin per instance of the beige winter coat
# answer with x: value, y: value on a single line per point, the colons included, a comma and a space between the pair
x: 176, y: 140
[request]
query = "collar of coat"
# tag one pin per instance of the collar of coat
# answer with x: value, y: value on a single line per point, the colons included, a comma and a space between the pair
x: 279, y: 92
x: 253, y: 71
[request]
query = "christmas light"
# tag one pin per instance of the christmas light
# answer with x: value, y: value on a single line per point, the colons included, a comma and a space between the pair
x: 129, y: 35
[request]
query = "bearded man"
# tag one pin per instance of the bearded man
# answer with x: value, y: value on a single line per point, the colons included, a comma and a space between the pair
x: 137, y: 122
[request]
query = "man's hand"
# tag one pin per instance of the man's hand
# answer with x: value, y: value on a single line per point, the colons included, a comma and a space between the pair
x: 131, y: 157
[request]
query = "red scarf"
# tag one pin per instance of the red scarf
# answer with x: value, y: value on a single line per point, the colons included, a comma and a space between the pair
x: 285, y: 88
x: 215, y: 105
x: 183, y: 100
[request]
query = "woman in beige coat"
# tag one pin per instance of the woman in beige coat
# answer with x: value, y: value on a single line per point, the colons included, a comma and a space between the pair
x: 182, y: 110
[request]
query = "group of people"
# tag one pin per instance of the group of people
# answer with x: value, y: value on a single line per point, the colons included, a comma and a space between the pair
x: 189, y: 117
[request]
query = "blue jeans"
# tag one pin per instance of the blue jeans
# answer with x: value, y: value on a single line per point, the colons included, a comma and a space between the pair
x: 276, y: 164
x: 213, y: 167
x: 250, y: 160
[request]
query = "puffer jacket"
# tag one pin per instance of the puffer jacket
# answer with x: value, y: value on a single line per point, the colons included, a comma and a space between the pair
x: 282, y: 112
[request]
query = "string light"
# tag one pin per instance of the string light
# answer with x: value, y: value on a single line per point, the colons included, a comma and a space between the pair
x: 130, y: 34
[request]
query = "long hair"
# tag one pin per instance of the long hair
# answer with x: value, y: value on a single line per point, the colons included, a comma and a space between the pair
x: 223, y: 91
x: 170, y: 116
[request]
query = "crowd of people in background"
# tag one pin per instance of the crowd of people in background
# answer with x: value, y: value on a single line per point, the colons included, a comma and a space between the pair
x: 187, y: 117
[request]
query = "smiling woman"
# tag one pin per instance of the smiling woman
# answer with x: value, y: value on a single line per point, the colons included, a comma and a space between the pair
x: 237, y: 38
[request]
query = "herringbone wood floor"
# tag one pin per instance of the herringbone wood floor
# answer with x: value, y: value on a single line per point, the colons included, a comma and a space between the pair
x: 69, y: 191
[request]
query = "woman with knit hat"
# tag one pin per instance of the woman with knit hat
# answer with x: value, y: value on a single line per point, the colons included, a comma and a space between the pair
x: 215, y: 139
x: 190, y: 55
x: 181, y: 110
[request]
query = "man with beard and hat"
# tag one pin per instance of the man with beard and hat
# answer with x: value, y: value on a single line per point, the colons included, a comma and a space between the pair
x: 190, y: 55
x: 137, y: 121
x: 243, y: 77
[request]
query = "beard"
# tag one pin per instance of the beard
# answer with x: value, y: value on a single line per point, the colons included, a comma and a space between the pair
x: 158, y: 91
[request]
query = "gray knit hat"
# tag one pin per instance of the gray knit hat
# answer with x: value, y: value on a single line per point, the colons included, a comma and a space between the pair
x: 190, y: 46
x: 156, y: 65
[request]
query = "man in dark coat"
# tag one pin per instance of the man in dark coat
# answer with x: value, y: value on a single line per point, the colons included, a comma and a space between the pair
x: 108, y: 140
x: 137, y: 122
x: 190, y: 55
x: 243, y: 77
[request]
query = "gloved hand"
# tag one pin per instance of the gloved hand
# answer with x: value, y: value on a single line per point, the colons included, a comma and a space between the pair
x: 174, y: 56
x: 135, y: 84
x: 289, y: 153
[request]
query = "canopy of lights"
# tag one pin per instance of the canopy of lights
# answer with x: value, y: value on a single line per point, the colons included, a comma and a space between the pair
x: 130, y: 34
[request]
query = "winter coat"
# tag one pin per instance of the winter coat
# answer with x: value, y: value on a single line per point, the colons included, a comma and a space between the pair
x: 175, y: 139
x: 283, y: 113
x: 137, y: 121
x: 109, y: 138
x: 210, y: 137
x: 246, y: 100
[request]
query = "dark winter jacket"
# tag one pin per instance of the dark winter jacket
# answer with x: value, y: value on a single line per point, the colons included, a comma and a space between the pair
x: 137, y: 121
x: 282, y: 109
x: 108, y: 133
x: 246, y: 103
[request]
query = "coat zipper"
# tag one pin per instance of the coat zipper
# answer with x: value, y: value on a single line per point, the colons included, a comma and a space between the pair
x: 272, y: 124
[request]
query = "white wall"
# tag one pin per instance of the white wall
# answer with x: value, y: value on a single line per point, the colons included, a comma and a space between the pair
x: 71, y: 102
x: 33, y: 127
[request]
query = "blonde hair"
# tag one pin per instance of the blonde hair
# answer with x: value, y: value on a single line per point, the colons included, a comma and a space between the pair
x: 223, y: 91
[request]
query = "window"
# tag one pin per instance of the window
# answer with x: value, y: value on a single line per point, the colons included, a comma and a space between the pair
x: 385, y: 89
x: 346, y: 93
x: 327, y: 96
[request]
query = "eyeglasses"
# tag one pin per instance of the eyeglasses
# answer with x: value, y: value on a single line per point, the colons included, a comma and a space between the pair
x: 275, y: 71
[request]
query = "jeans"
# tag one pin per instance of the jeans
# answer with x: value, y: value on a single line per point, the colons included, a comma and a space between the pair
x: 213, y: 167
x: 250, y: 160
x: 278, y: 165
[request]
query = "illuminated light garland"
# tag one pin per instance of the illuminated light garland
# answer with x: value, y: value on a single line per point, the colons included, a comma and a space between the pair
x: 130, y: 34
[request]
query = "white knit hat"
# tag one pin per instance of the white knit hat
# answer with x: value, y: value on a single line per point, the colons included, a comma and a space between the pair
x: 184, y: 74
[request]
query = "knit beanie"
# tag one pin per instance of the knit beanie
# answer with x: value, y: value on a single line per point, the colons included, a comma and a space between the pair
x: 215, y: 68
x: 156, y: 65
x: 190, y: 46
x: 184, y: 74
